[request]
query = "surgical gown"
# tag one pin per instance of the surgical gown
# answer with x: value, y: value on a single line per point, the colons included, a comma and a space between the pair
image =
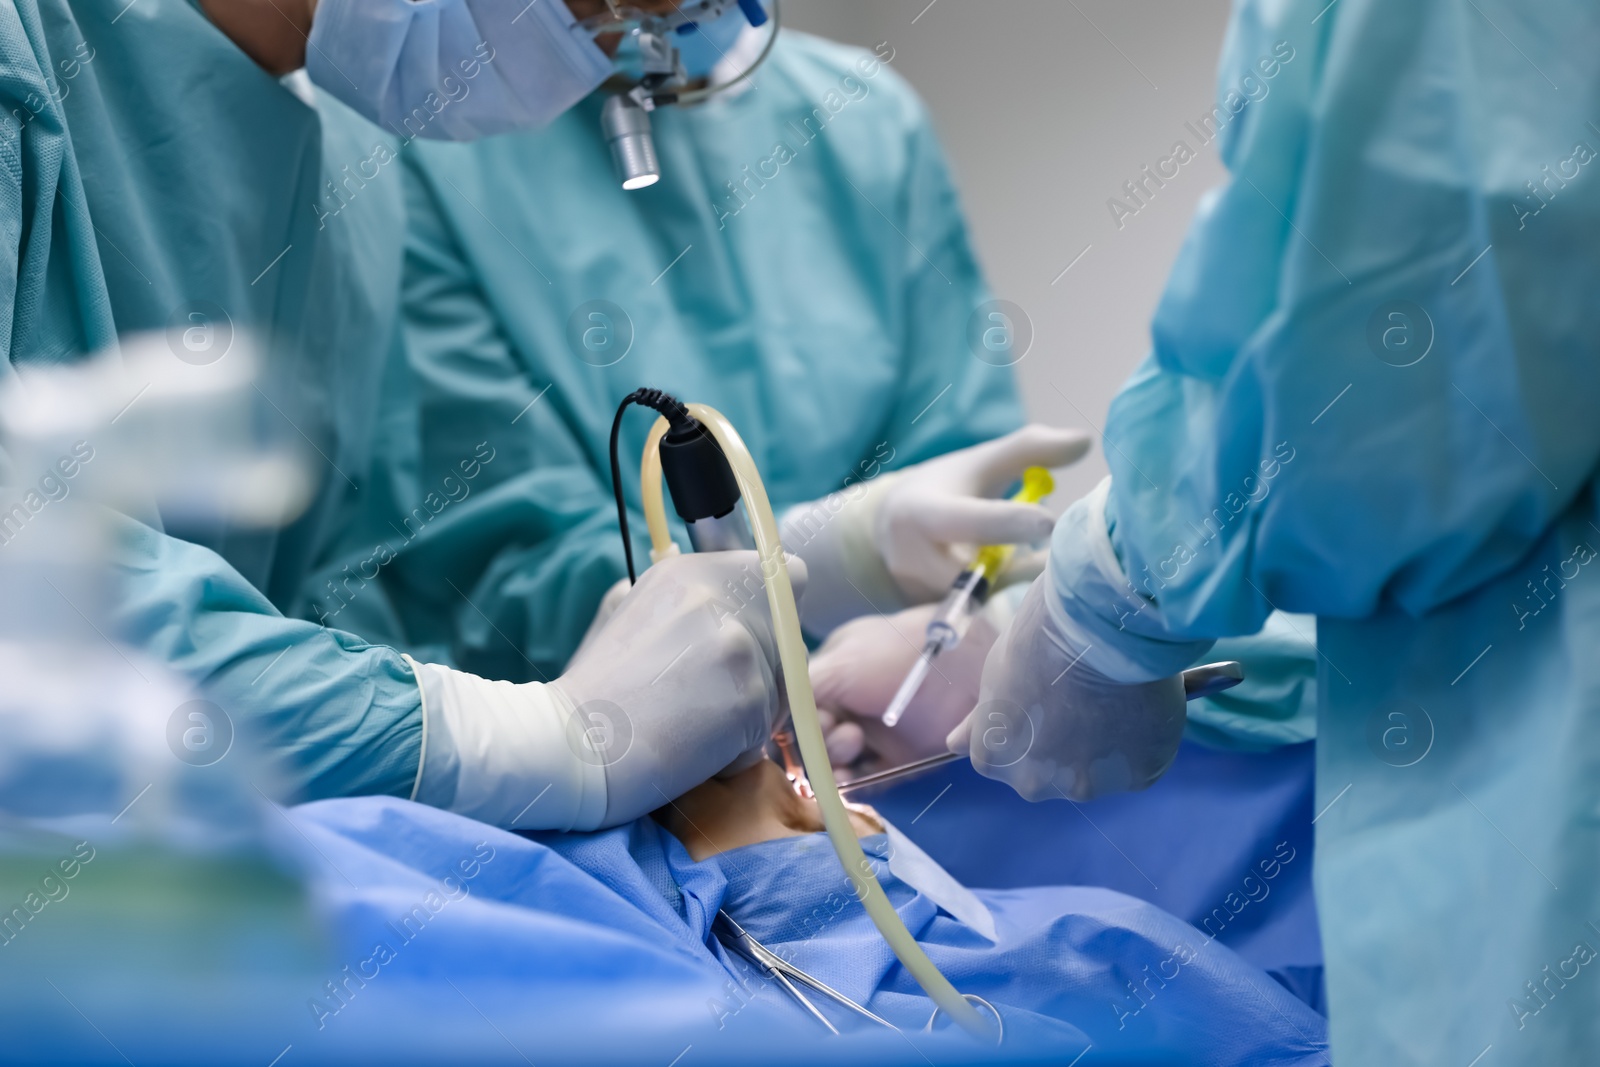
x: 152, y: 174
x: 803, y: 266
x: 1372, y: 397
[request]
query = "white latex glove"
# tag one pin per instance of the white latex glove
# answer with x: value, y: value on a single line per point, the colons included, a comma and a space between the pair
x: 902, y: 538
x: 681, y: 683
x: 1050, y: 726
x: 858, y: 669
x: 938, y: 513
x: 1081, y: 695
x: 608, y: 607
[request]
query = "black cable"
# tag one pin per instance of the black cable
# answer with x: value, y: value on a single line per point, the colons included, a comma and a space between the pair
x: 616, y: 485
x: 676, y: 415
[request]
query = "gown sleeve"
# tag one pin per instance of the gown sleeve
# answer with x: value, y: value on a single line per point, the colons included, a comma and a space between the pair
x: 954, y: 390
x: 335, y: 717
x: 1373, y: 369
x: 503, y: 536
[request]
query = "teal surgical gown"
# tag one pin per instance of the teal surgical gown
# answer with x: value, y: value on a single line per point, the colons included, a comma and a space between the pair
x: 154, y: 173
x: 1372, y: 397
x: 803, y: 266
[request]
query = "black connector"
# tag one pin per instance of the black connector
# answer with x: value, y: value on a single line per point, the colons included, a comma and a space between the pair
x: 697, y: 473
x: 698, y: 476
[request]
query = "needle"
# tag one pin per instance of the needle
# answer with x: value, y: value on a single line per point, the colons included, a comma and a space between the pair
x: 913, y: 681
x: 966, y: 596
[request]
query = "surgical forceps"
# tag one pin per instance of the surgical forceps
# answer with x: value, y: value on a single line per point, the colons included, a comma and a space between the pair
x: 786, y: 974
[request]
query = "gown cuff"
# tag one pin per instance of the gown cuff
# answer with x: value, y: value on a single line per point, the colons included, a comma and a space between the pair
x: 1119, y: 627
x: 503, y: 753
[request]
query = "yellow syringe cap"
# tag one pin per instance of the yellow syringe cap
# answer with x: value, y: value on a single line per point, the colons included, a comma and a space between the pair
x: 1036, y: 485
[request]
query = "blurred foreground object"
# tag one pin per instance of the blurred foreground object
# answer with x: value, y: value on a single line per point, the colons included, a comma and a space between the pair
x: 140, y: 885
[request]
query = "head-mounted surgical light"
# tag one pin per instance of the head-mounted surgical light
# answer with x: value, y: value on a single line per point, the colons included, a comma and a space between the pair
x: 658, y: 77
x: 626, y: 125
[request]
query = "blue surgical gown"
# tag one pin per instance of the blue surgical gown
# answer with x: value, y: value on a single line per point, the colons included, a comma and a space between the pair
x: 1372, y: 398
x: 153, y: 172
x: 803, y: 265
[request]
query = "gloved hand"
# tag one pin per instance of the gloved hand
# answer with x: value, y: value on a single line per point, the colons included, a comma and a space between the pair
x: 936, y: 514
x: 680, y: 684
x: 609, y: 602
x: 1083, y: 693
x: 903, y: 537
x: 1051, y: 726
x: 858, y: 669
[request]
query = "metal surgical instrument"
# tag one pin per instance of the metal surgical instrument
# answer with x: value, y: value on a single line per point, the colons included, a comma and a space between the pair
x: 738, y: 939
x: 1203, y: 681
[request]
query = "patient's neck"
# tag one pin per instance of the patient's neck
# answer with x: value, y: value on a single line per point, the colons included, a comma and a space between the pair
x: 759, y: 804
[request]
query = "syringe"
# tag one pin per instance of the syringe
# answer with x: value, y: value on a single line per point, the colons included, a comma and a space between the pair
x: 966, y: 596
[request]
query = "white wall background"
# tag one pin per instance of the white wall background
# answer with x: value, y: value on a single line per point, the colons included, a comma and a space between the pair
x: 1045, y: 108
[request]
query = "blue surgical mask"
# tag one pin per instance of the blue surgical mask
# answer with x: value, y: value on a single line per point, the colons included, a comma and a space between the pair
x: 453, y: 70
x: 703, y: 47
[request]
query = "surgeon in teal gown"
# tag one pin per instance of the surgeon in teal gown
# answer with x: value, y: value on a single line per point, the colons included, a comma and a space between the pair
x: 1392, y: 306
x: 158, y: 180
x: 803, y: 266
x: 154, y: 172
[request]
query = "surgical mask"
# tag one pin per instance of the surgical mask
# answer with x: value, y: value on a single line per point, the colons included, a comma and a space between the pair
x: 659, y: 56
x: 708, y: 43
x: 453, y: 70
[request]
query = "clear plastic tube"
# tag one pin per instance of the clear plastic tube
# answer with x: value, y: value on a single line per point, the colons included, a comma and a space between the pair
x: 803, y: 707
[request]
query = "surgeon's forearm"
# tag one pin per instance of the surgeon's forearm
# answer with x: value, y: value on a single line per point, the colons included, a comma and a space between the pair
x: 328, y: 714
x: 340, y: 720
x: 1118, y: 619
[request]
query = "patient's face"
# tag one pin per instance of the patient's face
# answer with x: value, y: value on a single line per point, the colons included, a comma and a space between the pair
x: 756, y: 805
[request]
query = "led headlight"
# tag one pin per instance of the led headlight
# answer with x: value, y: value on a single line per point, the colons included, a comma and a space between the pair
x: 626, y: 126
